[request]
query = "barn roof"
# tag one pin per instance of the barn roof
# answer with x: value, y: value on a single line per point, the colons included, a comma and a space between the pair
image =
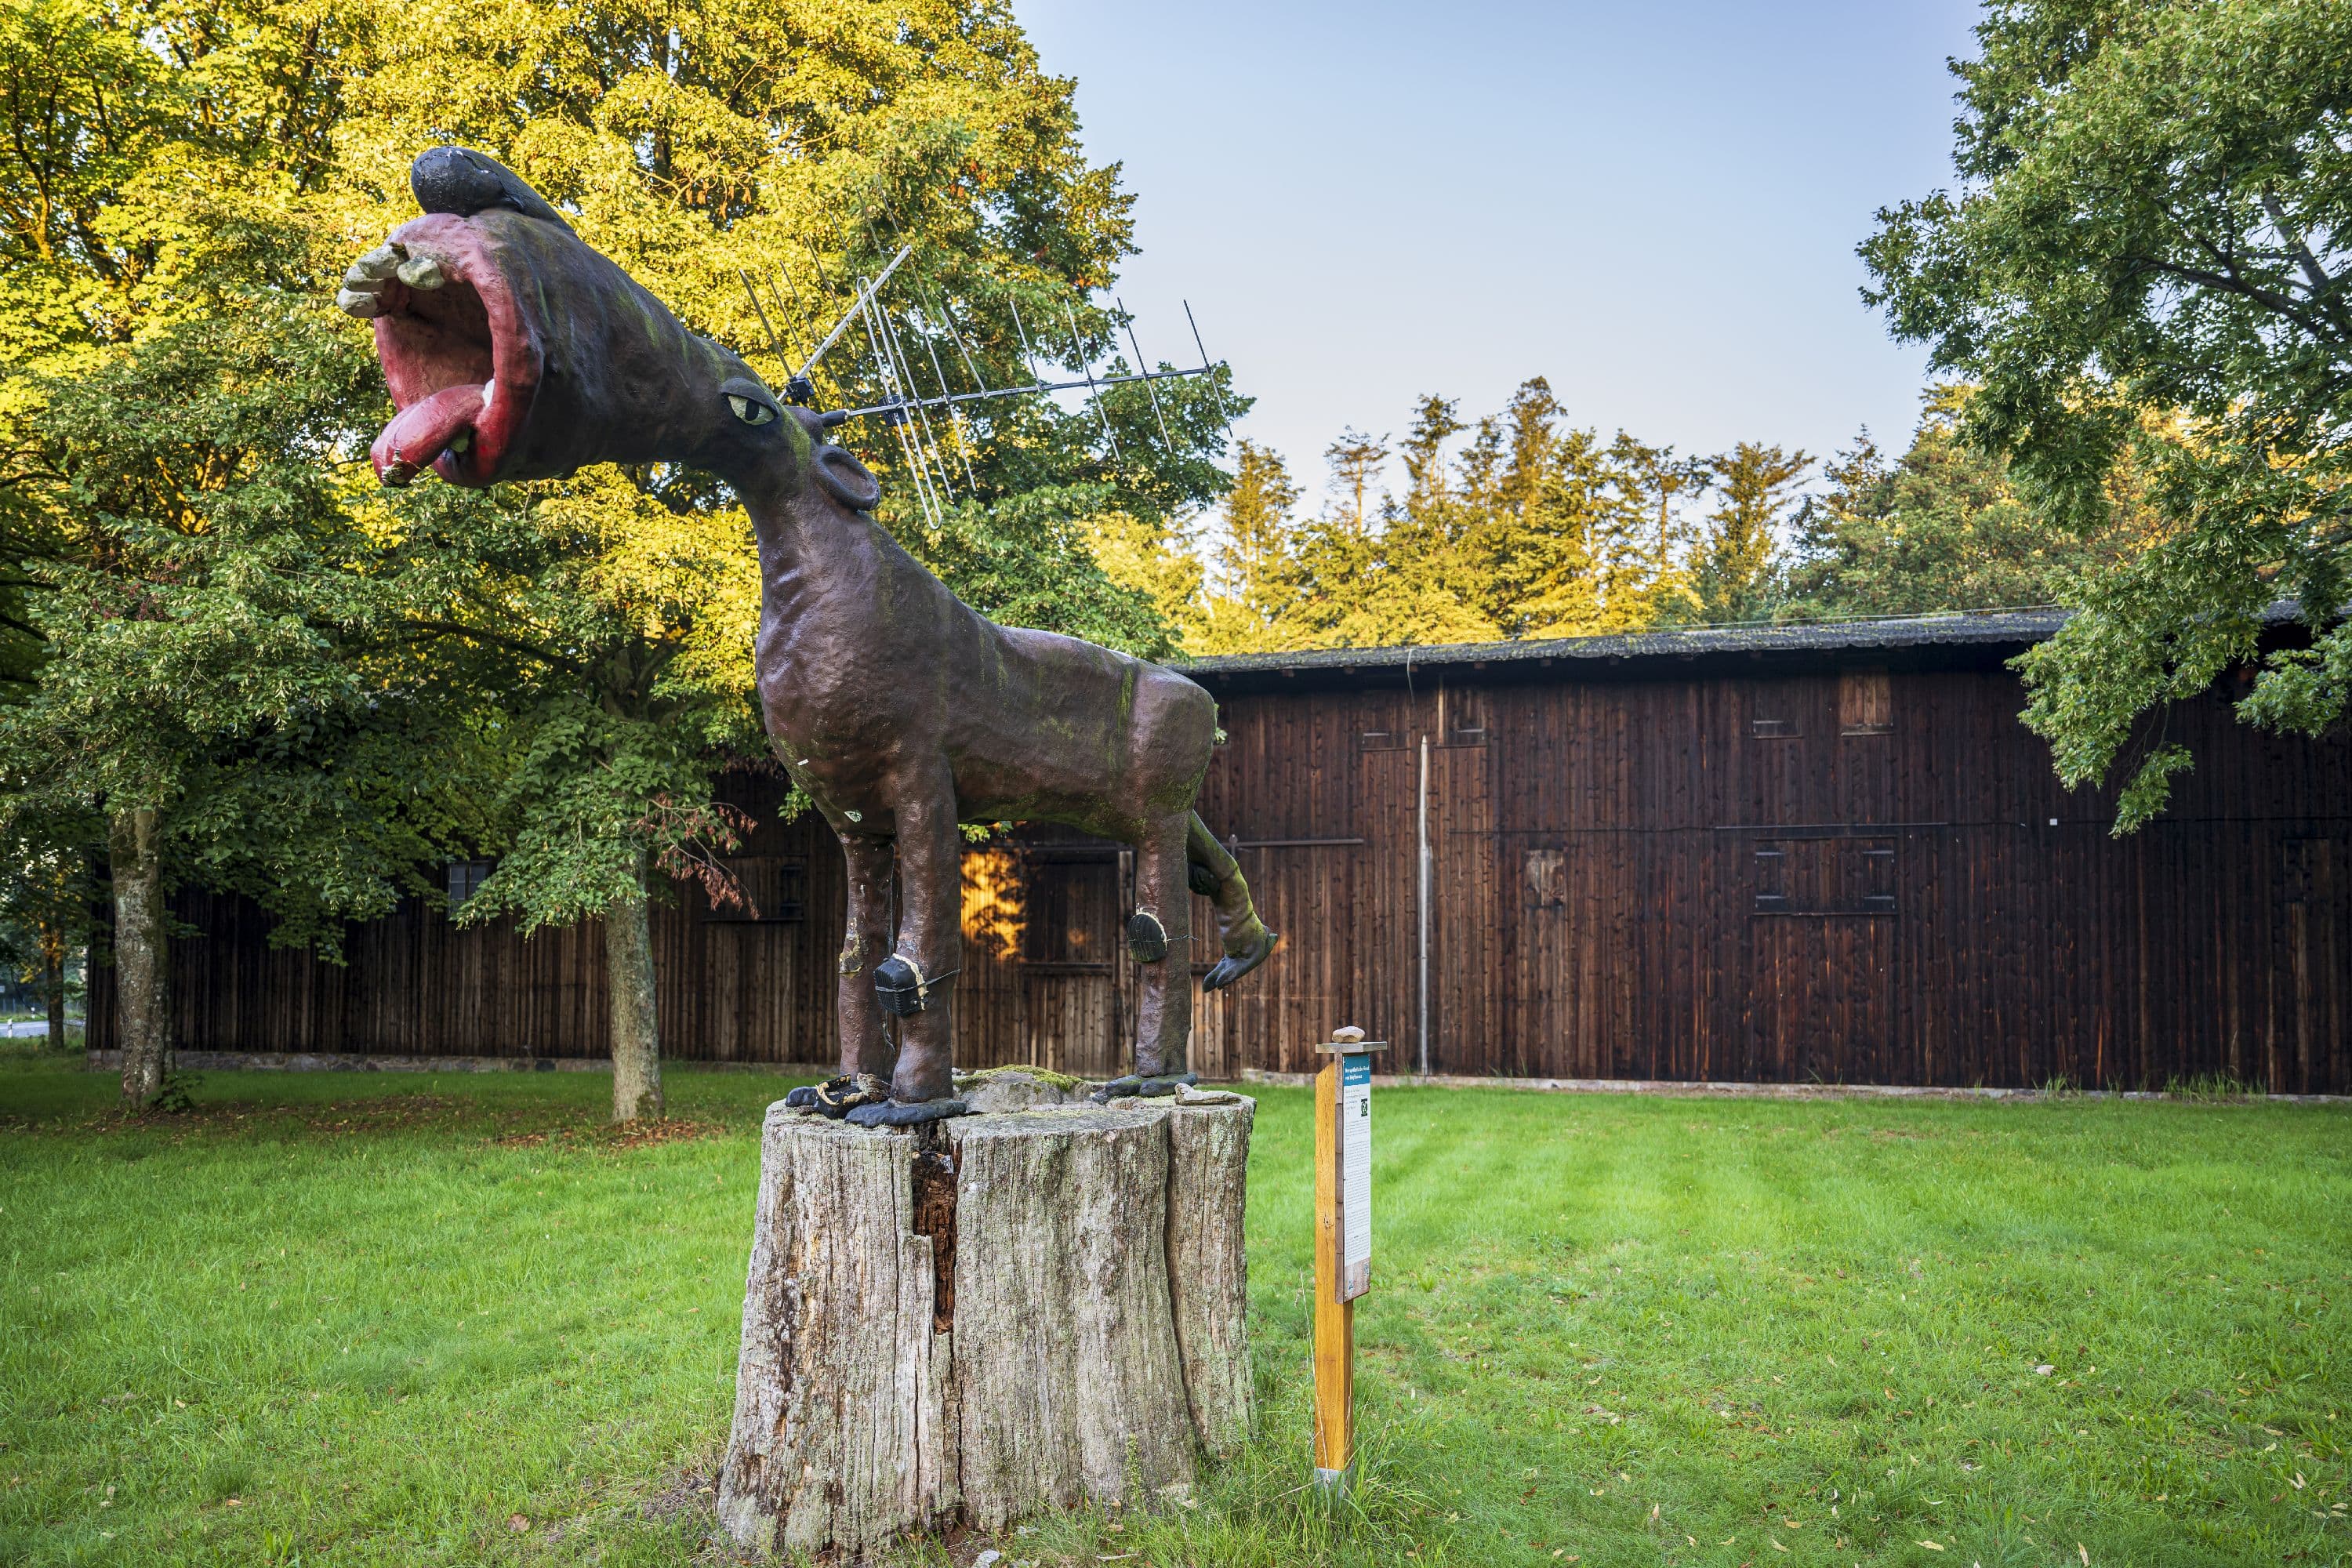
x: 1943, y: 641
x: 1968, y: 640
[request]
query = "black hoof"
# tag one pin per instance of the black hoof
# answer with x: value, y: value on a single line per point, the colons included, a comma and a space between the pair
x: 891, y: 1113
x: 898, y: 987
x: 1147, y: 939
x: 836, y: 1098
x: 802, y: 1098
x: 1131, y: 1086
x: 1235, y: 966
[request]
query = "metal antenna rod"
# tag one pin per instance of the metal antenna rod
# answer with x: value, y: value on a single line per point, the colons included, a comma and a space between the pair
x: 902, y: 387
x: 955, y: 419
x: 1149, y: 391
x: 774, y: 341
x: 864, y: 295
x: 957, y: 398
x: 899, y: 351
x: 956, y: 333
x: 1224, y: 409
x: 915, y: 469
x: 1086, y: 366
x: 1028, y: 354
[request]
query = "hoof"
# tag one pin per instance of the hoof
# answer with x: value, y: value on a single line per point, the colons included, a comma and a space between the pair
x: 1147, y: 939
x: 802, y: 1098
x: 836, y: 1098
x: 1131, y: 1086
x: 891, y: 1113
x: 1233, y: 966
x: 898, y: 987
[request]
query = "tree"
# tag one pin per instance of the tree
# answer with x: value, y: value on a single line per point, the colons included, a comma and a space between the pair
x: 172, y: 582
x: 1255, y: 584
x: 1940, y: 528
x: 218, y: 697
x: 2143, y: 265
x: 803, y: 146
x: 1757, y: 484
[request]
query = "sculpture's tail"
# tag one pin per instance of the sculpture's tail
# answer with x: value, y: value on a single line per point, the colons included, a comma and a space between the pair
x: 1210, y: 869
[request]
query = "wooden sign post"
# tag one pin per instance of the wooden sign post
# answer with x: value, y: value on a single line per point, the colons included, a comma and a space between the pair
x: 1343, y: 1242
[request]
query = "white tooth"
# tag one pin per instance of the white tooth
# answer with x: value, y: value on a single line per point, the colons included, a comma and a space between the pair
x: 422, y: 272
x: 489, y: 394
x: 357, y: 303
x: 381, y: 262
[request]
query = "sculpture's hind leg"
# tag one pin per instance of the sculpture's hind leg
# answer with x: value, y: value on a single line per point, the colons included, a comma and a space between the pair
x: 1215, y: 874
x: 1160, y: 939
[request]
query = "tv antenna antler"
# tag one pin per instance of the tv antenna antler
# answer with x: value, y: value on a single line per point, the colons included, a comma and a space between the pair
x: 908, y: 409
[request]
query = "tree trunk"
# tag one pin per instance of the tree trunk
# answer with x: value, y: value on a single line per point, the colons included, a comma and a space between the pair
x: 53, y: 976
x: 987, y: 1317
x: 142, y: 954
x: 636, y: 1031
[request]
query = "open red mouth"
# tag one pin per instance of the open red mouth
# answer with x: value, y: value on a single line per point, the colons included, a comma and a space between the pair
x: 462, y: 362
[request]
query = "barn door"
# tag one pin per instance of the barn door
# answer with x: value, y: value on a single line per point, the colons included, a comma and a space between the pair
x: 2317, y: 995
x: 1073, y: 1009
x: 1822, y: 959
x: 1463, y: 934
x: 1462, y: 892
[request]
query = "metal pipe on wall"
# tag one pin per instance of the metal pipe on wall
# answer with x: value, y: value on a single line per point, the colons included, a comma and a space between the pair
x: 1422, y: 835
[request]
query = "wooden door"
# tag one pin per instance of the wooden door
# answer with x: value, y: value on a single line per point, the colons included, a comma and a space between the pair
x: 1072, y: 1002
x: 1822, y: 959
x: 1466, y: 923
x: 2316, y: 992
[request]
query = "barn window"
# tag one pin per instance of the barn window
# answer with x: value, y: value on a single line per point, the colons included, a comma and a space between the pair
x: 774, y: 887
x: 1765, y: 729
x: 1771, y: 881
x: 1380, y: 741
x: 463, y: 879
x: 1864, y: 705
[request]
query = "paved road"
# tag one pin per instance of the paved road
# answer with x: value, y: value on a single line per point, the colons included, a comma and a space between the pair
x: 28, y: 1028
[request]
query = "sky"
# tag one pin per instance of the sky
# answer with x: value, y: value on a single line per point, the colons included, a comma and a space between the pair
x: 1655, y: 205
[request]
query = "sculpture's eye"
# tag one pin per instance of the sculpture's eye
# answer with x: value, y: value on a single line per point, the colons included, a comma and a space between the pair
x: 750, y: 412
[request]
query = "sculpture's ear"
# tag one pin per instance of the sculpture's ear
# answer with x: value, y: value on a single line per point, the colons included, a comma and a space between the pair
x: 846, y: 479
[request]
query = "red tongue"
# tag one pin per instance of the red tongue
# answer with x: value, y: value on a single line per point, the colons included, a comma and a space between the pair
x: 422, y: 431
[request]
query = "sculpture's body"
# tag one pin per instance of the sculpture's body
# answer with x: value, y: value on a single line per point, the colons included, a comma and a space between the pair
x: 515, y: 352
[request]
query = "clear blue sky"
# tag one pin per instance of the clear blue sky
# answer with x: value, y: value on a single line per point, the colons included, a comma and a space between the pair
x: 1654, y: 205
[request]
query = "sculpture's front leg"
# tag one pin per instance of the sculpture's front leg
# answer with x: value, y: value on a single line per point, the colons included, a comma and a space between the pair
x: 916, y: 982
x: 864, y: 943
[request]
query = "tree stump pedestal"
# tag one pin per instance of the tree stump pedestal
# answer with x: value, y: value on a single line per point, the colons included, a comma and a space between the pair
x: 984, y: 1318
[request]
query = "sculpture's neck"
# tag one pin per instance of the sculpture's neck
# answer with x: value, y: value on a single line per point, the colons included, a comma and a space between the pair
x: 804, y: 553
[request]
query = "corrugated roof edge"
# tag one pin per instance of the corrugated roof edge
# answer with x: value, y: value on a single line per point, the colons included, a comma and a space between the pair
x: 1968, y: 628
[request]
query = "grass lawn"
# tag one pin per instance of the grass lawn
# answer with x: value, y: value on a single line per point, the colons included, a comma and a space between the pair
x: 329, y: 1318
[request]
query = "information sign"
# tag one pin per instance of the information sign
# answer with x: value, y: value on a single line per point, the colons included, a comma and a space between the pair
x: 1355, y: 1176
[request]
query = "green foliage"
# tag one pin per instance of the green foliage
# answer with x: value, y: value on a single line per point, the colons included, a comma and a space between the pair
x: 1735, y: 569
x: 1940, y: 528
x: 1524, y: 529
x: 2143, y: 266
x: 216, y: 640
x: 1583, y: 1308
x: 326, y: 688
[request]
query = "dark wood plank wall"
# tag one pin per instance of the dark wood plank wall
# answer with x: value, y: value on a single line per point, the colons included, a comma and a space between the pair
x: 1856, y: 876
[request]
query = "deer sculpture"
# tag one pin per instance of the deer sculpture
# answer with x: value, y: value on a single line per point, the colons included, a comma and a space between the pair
x: 515, y: 351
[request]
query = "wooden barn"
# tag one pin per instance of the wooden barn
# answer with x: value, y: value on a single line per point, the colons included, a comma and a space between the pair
x: 1826, y: 853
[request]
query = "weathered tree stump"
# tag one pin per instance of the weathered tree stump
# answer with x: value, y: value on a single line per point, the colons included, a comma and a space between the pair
x: 984, y: 1318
